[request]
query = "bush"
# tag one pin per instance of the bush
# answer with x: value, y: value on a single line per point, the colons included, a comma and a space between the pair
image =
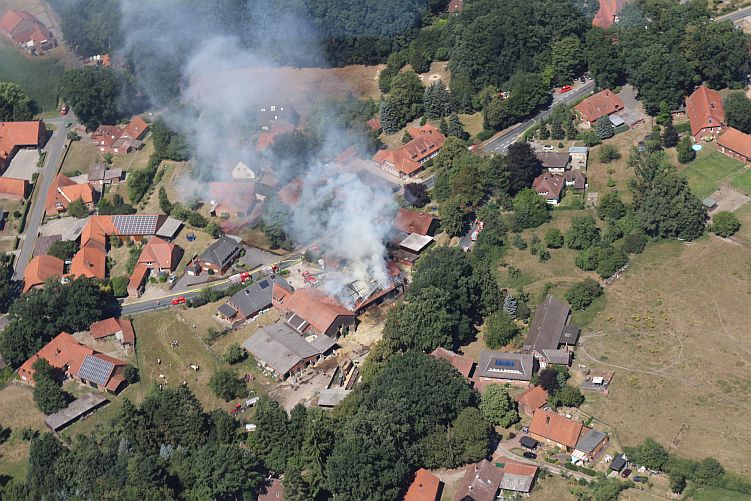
x: 608, y: 153
x: 634, y: 243
x: 724, y: 224
x: 554, y: 238
x: 226, y: 385
x: 485, y: 134
x: 568, y: 396
x: 214, y: 334
x: 583, y: 293
x: 500, y: 329
x: 235, y: 354
x: 131, y: 374
x: 62, y: 249
x: 120, y: 286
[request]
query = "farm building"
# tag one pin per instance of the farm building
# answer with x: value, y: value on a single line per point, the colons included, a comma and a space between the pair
x: 121, y: 139
x: 462, y: 363
x: 101, y: 175
x: 582, y: 442
x: 426, y: 487
x: 735, y: 144
x: 310, y: 311
x: 26, y: 30
x: 63, y: 191
x: 411, y: 221
x: 17, y: 135
x: 503, y: 367
x: 706, y: 113
x: 273, y: 491
x: 77, y: 409
x: 120, y: 328
x: 532, y: 399
x: 250, y: 301
x: 39, y: 269
x: 485, y: 481
x: 599, y: 105
x: 550, y: 333
x: 409, y: 159
x: 220, y: 255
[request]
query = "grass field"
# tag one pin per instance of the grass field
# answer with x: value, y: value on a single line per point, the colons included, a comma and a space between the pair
x: 717, y: 494
x: 742, y: 182
x: 16, y: 412
x: 674, y: 331
x: 40, y: 78
x: 599, y: 173
x: 710, y: 169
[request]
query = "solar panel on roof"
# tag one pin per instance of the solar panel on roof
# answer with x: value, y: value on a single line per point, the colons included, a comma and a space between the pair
x: 135, y: 224
x: 96, y: 370
x: 505, y: 363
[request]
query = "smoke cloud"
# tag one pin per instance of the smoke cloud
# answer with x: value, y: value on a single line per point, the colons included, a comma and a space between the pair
x: 223, y: 84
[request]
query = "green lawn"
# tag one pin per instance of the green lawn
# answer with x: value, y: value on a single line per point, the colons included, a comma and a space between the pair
x: 742, y: 182
x: 705, y: 173
x: 718, y: 494
x: 40, y: 78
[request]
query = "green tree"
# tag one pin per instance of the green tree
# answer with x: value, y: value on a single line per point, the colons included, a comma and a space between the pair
x: 131, y: 374
x: 390, y: 122
x: 583, y: 233
x: 634, y: 243
x: 405, y: 97
x: 664, y: 117
x: 500, y: 329
x: 235, y: 354
x: 436, y: 100
x: 274, y: 223
x: 225, y: 471
x: 670, y: 136
x: 686, y: 153
x: 530, y: 210
x: 270, y: 440
x: 650, y: 454
x: 725, y: 224
x: 553, y: 238
x: 611, y: 207
x: 567, y: 58
x: 609, y: 260
x: 467, y: 437
x: 90, y: 26
x: 215, y: 231
x: 567, y: 396
x: 497, y: 406
x: 583, y: 293
x: 164, y: 202
x: 522, y: 166
x: 455, y: 127
x: 556, y: 131
x: 454, y: 219
x: 548, y: 380
x: 93, y: 95
x: 416, y: 194
x: 226, y: 385
x: 15, y: 103
x: 709, y: 472
x: 604, y: 128
x: 608, y: 153
x: 424, y: 322
x: 77, y: 209
x: 738, y: 111
x: 49, y: 396
x: 62, y: 249
x: 677, y: 483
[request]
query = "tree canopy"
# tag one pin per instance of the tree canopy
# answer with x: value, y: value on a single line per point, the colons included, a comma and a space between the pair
x: 15, y: 103
x: 93, y: 94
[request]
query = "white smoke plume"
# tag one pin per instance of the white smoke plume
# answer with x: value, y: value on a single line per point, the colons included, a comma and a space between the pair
x: 222, y: 85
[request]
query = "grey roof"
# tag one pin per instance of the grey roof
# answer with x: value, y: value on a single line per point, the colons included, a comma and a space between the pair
x: 518, y: 483
x: 75, y: 410
x: 113, y: 174
x: 96, y: 172
x: 279, y: 347
x: 323, y: 343
x: 529, y: 442
x: 545, y: 331
x: 227, y: 310
x: 590, y: 440
x: 570, y: 335
x: 709, y: 202
x: 169, y: 228
x: 502, y: 365
x: 221, y: 251
x: 562, y: 357
x: 256, y: 297
x: 332, y: 396
x: 578, y: 149
x: 618, y: 463
x: 43, y: 244
x: 616, y: 120
x: 552, y: 159
x: 415, y: 242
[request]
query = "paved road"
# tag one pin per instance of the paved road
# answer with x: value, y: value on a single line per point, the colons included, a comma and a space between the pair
x: 501, y: 142
x: 54, y: 149
x: 735, y: 16
x: 165, y: 301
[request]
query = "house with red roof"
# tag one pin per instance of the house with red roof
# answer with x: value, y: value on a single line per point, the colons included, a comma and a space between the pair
x: 608, y: 13
x: 232, y: 199
x: 121, y: 139
x: 455, y: 6
x: 120, y: 328
x: 17, y: 135
x: 26, y: 30
x: 462, y: 363
x: 706, y: 113
x: 599, y: 105
x: 583, y: 442
x: 78, y: 362
x: 409, y: 159
x: 63, y: 191
x: 16, y: 189
x: 426, y: 487
x: 39, y: 269
x: 159, y: 255
x: 532, y: 399
x: 412, y: 221
x: 735, y: 144
x: 311, y: 311
x: 550, y: 187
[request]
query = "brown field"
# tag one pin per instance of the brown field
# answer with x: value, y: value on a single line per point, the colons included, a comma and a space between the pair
x: 16, y: 412
x: 81, y: 155
x: 598, y: 172
x: 674, y: 331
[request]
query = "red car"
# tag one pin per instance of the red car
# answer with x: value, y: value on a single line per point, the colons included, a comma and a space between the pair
x: 565, y: 88
x: 64, y: 110
x: 178, y: 300
x: 244, y: 276
x: 625, y: 473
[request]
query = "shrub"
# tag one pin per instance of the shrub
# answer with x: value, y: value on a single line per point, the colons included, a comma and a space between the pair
x: 583, y: 293
x: 500, y: 329
x: 634, y: 243
x: 120, y: 286
x: 554, y: 238
x: 226, y: 385
x: 608, y: 153
x: 235, y: 354
x: 131, y: 374
x: 724, y: 224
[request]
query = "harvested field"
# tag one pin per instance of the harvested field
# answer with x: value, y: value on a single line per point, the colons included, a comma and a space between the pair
x: 14, y: 452
x: 674, y: 328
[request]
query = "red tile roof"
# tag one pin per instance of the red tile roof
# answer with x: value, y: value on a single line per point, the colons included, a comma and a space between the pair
x: 407, y: 158
x: 12, y: 187
x: 233, y: 197
x: 455, y: 6
x: 556, y: 428
x: 17, y: 134
x: 290, y: 193
x: 63, y: 191
x: 374, y: 123
x: 23, y: 27
x: 737, y: 141
x: 315, y: 307
x: 425, y: 487
x: 609, y: 9
x: 267, y: 138
x: 110, y: 326
x: 64, y: 352
x: 461, y: 363
x: 599, y: 105
x: 548, y: 185
x: 704, y: 109
x: 90, y: 261
x: 411, y: 221
x: 533, y: 398
x: 136, y: 129
x: 273, y: 492
x: 137, y: 278
x: 40, y: 269
x: 161, y: 253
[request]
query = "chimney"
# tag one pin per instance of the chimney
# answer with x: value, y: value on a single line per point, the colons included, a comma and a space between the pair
x: 547, y: 420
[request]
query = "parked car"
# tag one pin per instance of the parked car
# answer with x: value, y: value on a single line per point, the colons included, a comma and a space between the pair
x: 65, y: 147
x: 639, y: 479
x: 475, y: 234
x: 178, y: 300
x: 625, y: 473
x: 547, y: 147
x: 172, y: 279
x: 565, y: 89
x: 68, y: 124
x: 530, y: 455
x: 525, y: 429
x: 244, y: 276
x: 64, y: 110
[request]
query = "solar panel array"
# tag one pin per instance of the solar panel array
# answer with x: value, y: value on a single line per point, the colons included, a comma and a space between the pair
x: 96, y: 370
x: 136, y: 224
x: 505, y: 363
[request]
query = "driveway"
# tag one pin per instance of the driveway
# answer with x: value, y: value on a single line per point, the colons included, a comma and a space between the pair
x: 54, y: 149
x: 23, y: 165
